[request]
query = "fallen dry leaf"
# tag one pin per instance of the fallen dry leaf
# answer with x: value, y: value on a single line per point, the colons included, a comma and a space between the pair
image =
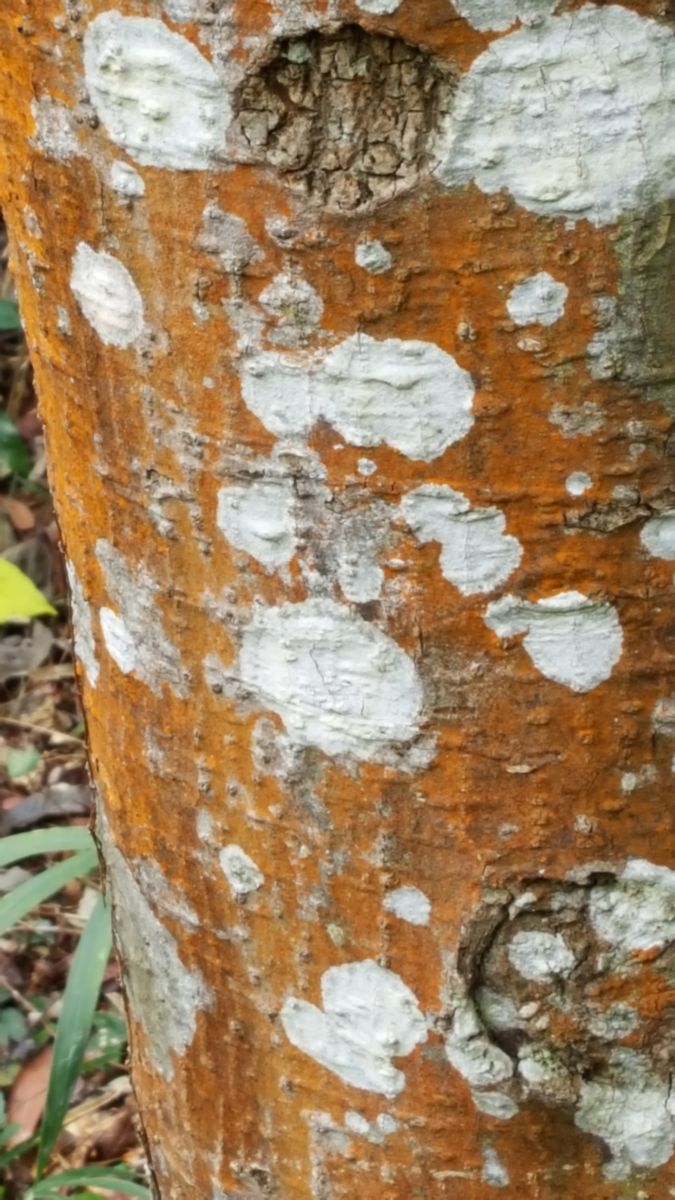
x: 29, y: 424
x: 24, y: 648
x: 28, y: 1094
x: 21, y: 516
x: 58, y: 800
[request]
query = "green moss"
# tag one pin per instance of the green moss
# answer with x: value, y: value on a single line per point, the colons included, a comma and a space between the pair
x: 636, y: 343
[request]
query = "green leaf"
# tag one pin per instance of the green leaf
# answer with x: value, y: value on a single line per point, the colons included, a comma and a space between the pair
x: 20, y: 600
x: 21, y: 761
x: 108, y: 1178
x: 6, y: 1133
x: 12, y: 1025
x: 51, y: 840
x: 28, y: 895
x: 72, y: 1034
x: 8, y: 1073
x: 10, y: 320
x: 14, y: 456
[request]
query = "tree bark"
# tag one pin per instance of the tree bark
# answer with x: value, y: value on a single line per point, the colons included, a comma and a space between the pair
x: 350, y: 326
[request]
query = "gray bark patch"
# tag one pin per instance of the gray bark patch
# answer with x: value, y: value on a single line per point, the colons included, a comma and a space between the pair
x: 164, y: 994
x: 345, y: 117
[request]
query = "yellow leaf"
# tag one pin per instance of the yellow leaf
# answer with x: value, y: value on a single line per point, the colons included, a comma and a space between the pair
x: 19, y: 598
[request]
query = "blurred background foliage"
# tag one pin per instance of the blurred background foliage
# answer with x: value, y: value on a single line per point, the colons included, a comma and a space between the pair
x: 67, y: 1117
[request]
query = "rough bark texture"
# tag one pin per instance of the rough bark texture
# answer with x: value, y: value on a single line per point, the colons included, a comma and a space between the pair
x: 352, y: 332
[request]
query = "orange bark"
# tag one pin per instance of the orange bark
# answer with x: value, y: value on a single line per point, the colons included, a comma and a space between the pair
x: 526, y: 787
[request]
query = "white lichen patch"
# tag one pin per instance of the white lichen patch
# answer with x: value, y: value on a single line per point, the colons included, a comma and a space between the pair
x: 337, y: 681
x: 83, y: 626
x: 499, y: 15
x: 606, y: 349
x: 360, y: 579
x: 570, y: 125
x: 359, y: 540
x: 63, y: 322
x: 630, y: 1108
x: 476, y: 554
x: 155, y: 94
x: 407, y: 394
x: 118, y: 641
x: 296, y: 306
x: 569, y: 638
x: 470, y: 1051
x: 205, y: 826
x: 125, y: 181
x: 380, y: 8
x: 540, y: 956
x: 663, y: 716
x: 165, y: 996
x: 409, y: 904
x: 545, y: 1072
x: 241, y: 872
x: 613, y: 1023
x: 375, y: 1131
x: 356, y: 1123
x: 226, y: 237
x: 497, y: 1011
x: 632, y: 780
x: 258, y: 518
x: 578, y: 482
x: 369, y: 1017
x: 55, y: 129
x: 494, y: 1172
x: 539, y: 300
x: 107, y: 295
x: 280, y: 391
x: 577, y: 422
x: 637, y: 910
x: 658, y: 536
x: 386, y: 1124
x: 372, y: 256
x: 143, y: 646
x: 182, y: 11
x: 31, y: 223
x: 495, y: 1104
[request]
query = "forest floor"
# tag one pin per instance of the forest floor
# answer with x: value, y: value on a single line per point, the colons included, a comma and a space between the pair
x: 44, y: 782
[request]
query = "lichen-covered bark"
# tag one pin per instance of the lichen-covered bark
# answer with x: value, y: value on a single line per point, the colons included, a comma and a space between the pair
x: 351, y: 327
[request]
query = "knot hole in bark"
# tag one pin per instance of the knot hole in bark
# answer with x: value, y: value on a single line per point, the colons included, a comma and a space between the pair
x: 347, y: 117
x: 568, y: 976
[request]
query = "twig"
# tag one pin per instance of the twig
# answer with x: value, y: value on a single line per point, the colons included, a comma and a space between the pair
x: 52, y: 733
x: 24, y: 1003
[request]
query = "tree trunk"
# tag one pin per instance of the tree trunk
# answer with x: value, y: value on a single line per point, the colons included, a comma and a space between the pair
x: 351, y: 329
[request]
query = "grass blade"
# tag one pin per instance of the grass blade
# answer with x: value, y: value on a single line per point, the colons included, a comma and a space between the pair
x: 106, y: 1178
x: 51, y: 840
x: 72, y: 1032
x: 10, y: 321
x: 14, y: 455
x: 28, y: 895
